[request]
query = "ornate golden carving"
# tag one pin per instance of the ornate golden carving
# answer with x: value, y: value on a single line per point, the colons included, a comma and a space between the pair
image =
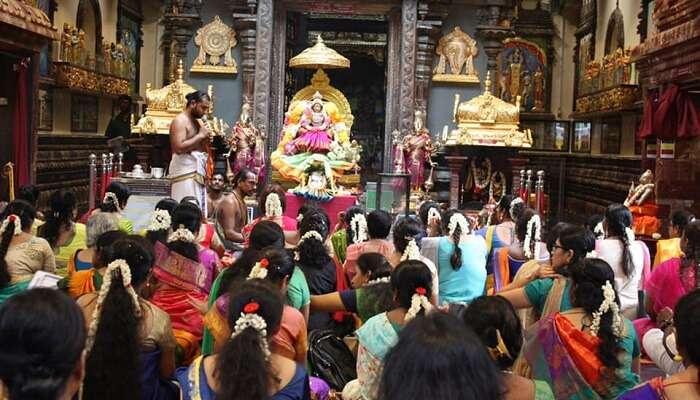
x: 215, y: 41
x: 456, y: 50
x: 489, y: 121
x: 164, y: 104
x: 78, y: 78
x: 609, y: 99
x: 319, y: 56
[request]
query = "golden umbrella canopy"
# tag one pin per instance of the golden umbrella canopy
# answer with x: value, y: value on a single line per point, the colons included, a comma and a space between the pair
x: 319, y: 56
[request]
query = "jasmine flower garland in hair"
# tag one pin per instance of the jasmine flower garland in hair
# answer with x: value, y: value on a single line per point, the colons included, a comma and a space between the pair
x: 160, y: 221
x: 458, y: 219
x: 412, y: 252
x: 259, y: 270
x: 11, y: 218
x: 273, y: 206
x: 536, y: 223
x: 112, y: 198
x: 249, y: 319
x: 433, y: 215
x: 183, y: 234
x: 418, y: 301
x: 358, y: 224
x: 513, y: 203
x: 123, y: 267
x: 608, y: 304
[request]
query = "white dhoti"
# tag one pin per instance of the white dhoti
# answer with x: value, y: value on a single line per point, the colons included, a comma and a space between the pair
x: 187, y: 177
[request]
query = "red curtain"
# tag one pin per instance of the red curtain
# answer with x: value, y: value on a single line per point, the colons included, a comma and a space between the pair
x: 20, y: 123
x: 672, y: 114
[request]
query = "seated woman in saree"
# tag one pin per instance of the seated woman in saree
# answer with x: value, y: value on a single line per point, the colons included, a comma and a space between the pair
x: 63, y: 234
x: 547, y: 289
x: 114, y: 202
x: 21, y: 253
x: 346, y: 233
x: 494, y: 320
x: 430, y: 216
x: 273, y: 203
x: 460, y: 258
x: 90, y: 280
x: 371, y: 237
x: 502, y: 232
x: 411, y: 284
x: 276, y: 266
x: 207, y: 236
x: 682, y: 385
x: 245, y: 368
x: 508, y: 260
x: 185, y: 272
x: 672, y: 279
x: 81, y: 260
x: 130, y: 344
x: 667, y: 249
x: 371, y: 292
x: 438, y: 358
x: 264, y: 235
x: 42, y: 342
x: 591, y: 350
x: 407, y: 233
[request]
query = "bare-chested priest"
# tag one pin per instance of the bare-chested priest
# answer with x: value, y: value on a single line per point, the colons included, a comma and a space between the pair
x: 232, y: 213
x: 188, y: 141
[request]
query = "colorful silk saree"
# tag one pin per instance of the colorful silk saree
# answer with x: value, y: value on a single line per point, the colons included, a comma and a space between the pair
x: 566, y: 358
x: 179, y: 280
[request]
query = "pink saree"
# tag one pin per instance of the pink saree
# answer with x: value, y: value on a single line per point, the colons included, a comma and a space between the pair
x: 664, y: 288
x: 180, y: 279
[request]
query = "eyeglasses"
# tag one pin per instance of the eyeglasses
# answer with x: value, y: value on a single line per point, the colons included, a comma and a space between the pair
x: 556, y: 246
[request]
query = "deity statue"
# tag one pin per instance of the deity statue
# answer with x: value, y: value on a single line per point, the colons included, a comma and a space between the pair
x: 514, y: 72
x: 66, y: 43
x: 456, y: 50
x: 315, y: 132
x: 417, y: 150
x: 640, y: 200
x: 526, y: 94
x: 74, y: 39
x: 539, y: 90
x: 399, y: 162
x: 248, y: 143
x: 81, y: 54
x: 639, y: 194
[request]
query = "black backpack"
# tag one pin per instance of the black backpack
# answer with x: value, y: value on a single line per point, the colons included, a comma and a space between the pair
x: 330, y: 359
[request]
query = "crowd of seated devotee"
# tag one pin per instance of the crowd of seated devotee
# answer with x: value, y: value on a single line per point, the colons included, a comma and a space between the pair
x: 440, y: 304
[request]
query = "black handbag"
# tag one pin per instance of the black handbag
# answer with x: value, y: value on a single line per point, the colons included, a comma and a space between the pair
x: 330, y: 359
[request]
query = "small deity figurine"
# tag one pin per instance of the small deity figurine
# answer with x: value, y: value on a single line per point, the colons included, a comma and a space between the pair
x: 417, y: 150
x: 539, y: 89
x: 66, y: 43
x: 81, y: 48
x: 315, y: 131
x: 398, y: 152
x: 106, y: 59
x: 248, y: 143
x: 514, y: 74
x: 74, y: 40
x: 639, y: 194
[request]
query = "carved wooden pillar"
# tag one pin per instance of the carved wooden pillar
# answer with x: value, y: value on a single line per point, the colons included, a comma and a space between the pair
x: 407, y: 92
x: 245, y: 24
x: 427, y: 32
x: 494, y: 26
x: 180, y: 20
x: 263, y: 65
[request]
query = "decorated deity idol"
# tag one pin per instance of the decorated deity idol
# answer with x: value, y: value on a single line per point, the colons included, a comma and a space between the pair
x: 248, y: 143
x: 417, y: 149
x: 315, y: 132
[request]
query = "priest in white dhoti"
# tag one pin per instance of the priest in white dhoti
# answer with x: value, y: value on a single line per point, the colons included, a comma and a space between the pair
x: 188, y: 141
